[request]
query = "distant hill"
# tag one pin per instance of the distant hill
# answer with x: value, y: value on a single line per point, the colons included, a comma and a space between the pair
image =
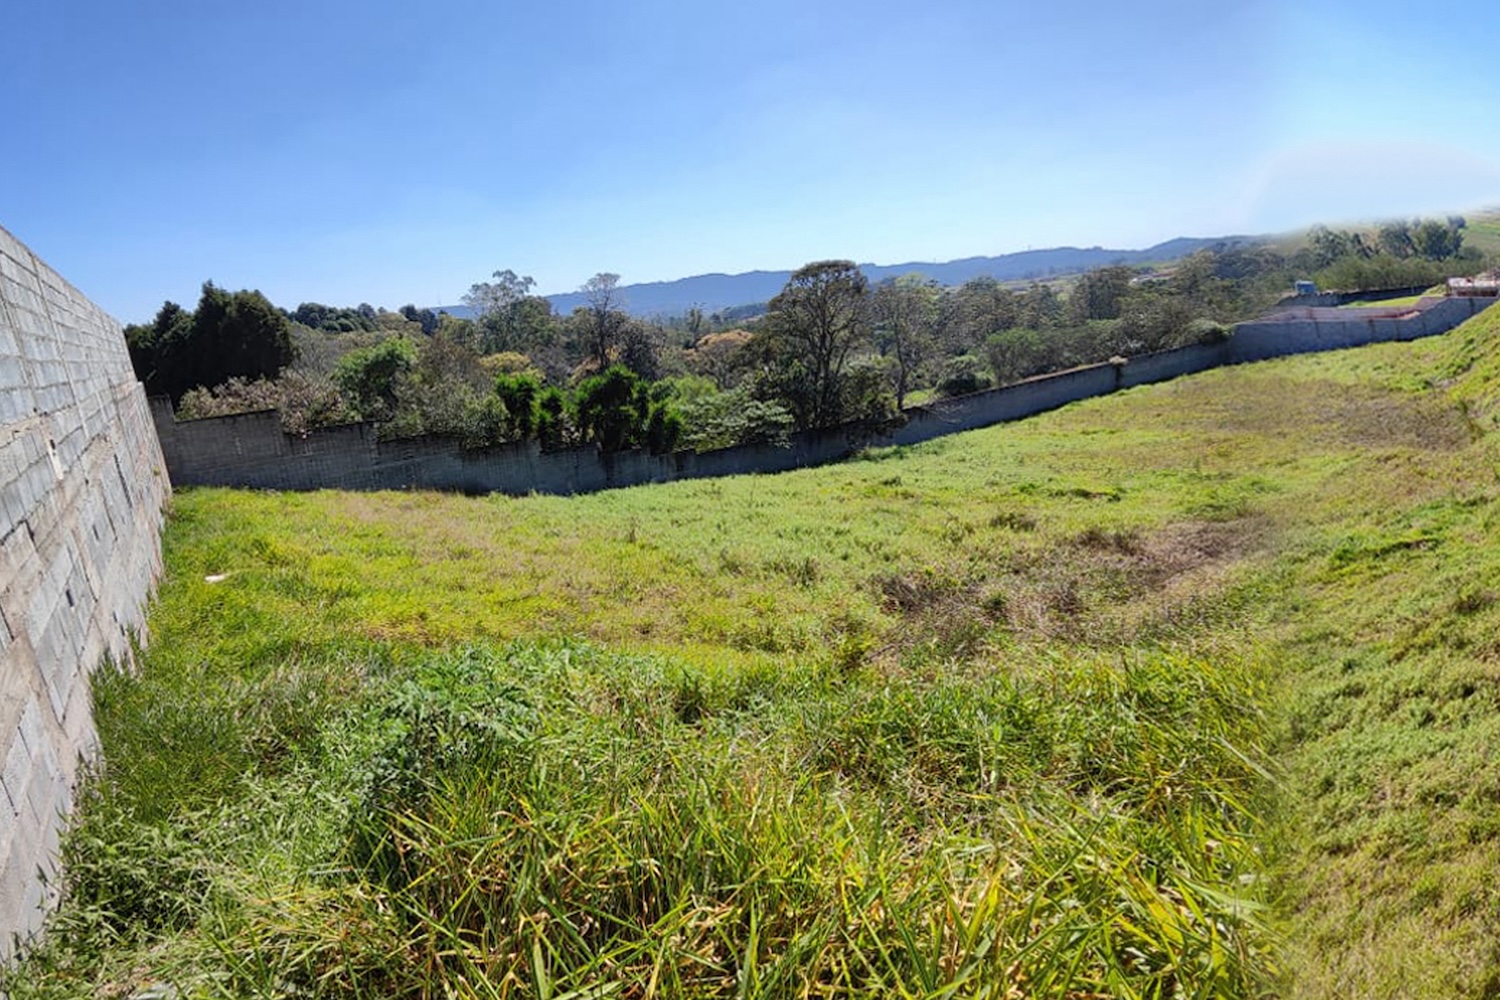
x: 714, y: 292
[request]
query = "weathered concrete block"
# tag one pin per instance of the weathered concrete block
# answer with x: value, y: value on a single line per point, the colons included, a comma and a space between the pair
x: 81, y: 493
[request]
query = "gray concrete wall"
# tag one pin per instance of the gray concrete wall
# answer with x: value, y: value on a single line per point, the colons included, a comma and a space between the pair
x: 82, y: 487
x: 251, y: 450
x: 1326, y: 330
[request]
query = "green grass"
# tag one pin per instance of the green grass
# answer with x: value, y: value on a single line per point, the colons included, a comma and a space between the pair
x: 1483, y: 231
x: 1404, y: 300
x: 1188, y: 691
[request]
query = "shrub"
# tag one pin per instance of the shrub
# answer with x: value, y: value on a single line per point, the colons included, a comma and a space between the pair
x: 963, y: 374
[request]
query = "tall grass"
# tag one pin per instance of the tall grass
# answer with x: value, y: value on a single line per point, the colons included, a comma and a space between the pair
x: 1180, y: 693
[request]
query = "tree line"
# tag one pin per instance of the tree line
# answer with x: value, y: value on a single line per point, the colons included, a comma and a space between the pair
x: 829, y: 349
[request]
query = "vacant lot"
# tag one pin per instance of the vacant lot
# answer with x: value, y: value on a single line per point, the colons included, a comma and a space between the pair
x: 1188, y: 691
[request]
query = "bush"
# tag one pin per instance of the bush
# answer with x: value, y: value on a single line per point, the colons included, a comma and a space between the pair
x: 963, y: 374
x: 727, y: 419
x: 367, y: 378
x: 1207, y: 331
x: 304, y: 401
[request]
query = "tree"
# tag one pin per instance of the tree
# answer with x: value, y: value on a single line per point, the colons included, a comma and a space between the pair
x: 368, y: 378
x: 426, y: 318
x: 1395, y: 239
x: 602, y: 323
x: 1017, y: 353
x: 230, y: 334
x: 509, y: 316
x: 903, y: 312
x: 508, y: 288
x: 980, y: 306
x: 816, y: 321
x: 616, y: 409
x: 1099, y: 294
x: 1436, y: 240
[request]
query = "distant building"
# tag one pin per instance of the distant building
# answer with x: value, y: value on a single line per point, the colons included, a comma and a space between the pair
x: 1485, y: 285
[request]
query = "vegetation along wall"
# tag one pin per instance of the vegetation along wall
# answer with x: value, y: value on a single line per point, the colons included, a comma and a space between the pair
x: 82, y: 487
x: 251, y: 450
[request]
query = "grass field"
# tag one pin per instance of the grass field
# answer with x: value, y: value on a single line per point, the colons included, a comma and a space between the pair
x: 1404, y: 300
x: 1483, y: 231
x: 1188, y: 691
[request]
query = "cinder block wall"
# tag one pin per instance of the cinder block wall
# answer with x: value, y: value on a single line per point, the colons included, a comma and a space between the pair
x: 82, y: 490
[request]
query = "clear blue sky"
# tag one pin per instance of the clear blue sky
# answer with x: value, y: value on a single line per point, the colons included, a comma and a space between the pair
x: 391, y: 152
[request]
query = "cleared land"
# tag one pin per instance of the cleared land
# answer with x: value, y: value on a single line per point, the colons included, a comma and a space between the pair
x: 1190, y: 691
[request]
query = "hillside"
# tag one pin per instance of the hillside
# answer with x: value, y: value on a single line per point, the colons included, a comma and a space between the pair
x: 1189, y: 690
x: 713, y: 292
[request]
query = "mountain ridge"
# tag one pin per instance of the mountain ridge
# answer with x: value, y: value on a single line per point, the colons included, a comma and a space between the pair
x: 717, y: 291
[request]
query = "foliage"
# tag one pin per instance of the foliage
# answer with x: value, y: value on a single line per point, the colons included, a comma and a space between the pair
x: 1100, y: 294
x: 1013, y: 354
x: 368, y: 378
x: 721, y: 356
x: 1384, y: 271
x: 816, y: 323
x: 336, y: 319
x: 304, y: 402
x: 903, y: 313
x: 230, y: 335
x: 865, y: 394
x: 733, y: 417
x: 444, y: 392
x: 521, y: 394
x: 963, y: 374
x: 616, y: 410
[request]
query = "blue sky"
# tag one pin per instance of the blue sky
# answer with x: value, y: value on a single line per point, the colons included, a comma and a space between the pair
x: 342, y: 151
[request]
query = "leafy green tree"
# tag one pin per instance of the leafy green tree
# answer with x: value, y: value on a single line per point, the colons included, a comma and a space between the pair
x: 425, y: 318
x: 230, y: 334
x: 521, y: 392
x: 616, y: 409
x: 1435, y: 240
x: 553, y: 430
x: 963, y: 374
x: 1040, y: 307
x: 508, y: 288
x: 903, y: 314
x: 1099, y: 294
x: 1018, y: 353
x: 734, y: 417
x: 600, y: 322
x: 977, y: 308
x: 442, y: 392
x: 865, y: 393
x: 509, y: 317
x: 368, y: 378
x: 816, y: 322
x: 1395, y: 238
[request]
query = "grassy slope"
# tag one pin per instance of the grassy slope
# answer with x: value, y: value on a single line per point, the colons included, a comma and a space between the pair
x: 1049, y: 708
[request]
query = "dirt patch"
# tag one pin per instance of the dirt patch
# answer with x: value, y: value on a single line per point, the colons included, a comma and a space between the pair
x: 1427, y: 422
x: 1099, y: 585
x: 1338, y: 413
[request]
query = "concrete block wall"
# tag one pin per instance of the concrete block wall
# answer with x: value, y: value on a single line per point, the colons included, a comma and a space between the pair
x: 82, y: 489
x: 1326, y: 330
x: 251, y: 450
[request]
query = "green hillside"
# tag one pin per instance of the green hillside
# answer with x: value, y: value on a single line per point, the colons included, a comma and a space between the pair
x: 1186, y: 691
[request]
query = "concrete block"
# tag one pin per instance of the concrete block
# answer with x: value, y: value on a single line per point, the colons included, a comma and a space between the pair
x: 15, y: 776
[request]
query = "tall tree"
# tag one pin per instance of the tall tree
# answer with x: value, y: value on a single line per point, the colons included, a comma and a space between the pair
x: 817, y: 320
x: 604, y: 322
x: 1099, y: 293
x: 509, y: 316
x: 230, y: 334
x: 903, y: 312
